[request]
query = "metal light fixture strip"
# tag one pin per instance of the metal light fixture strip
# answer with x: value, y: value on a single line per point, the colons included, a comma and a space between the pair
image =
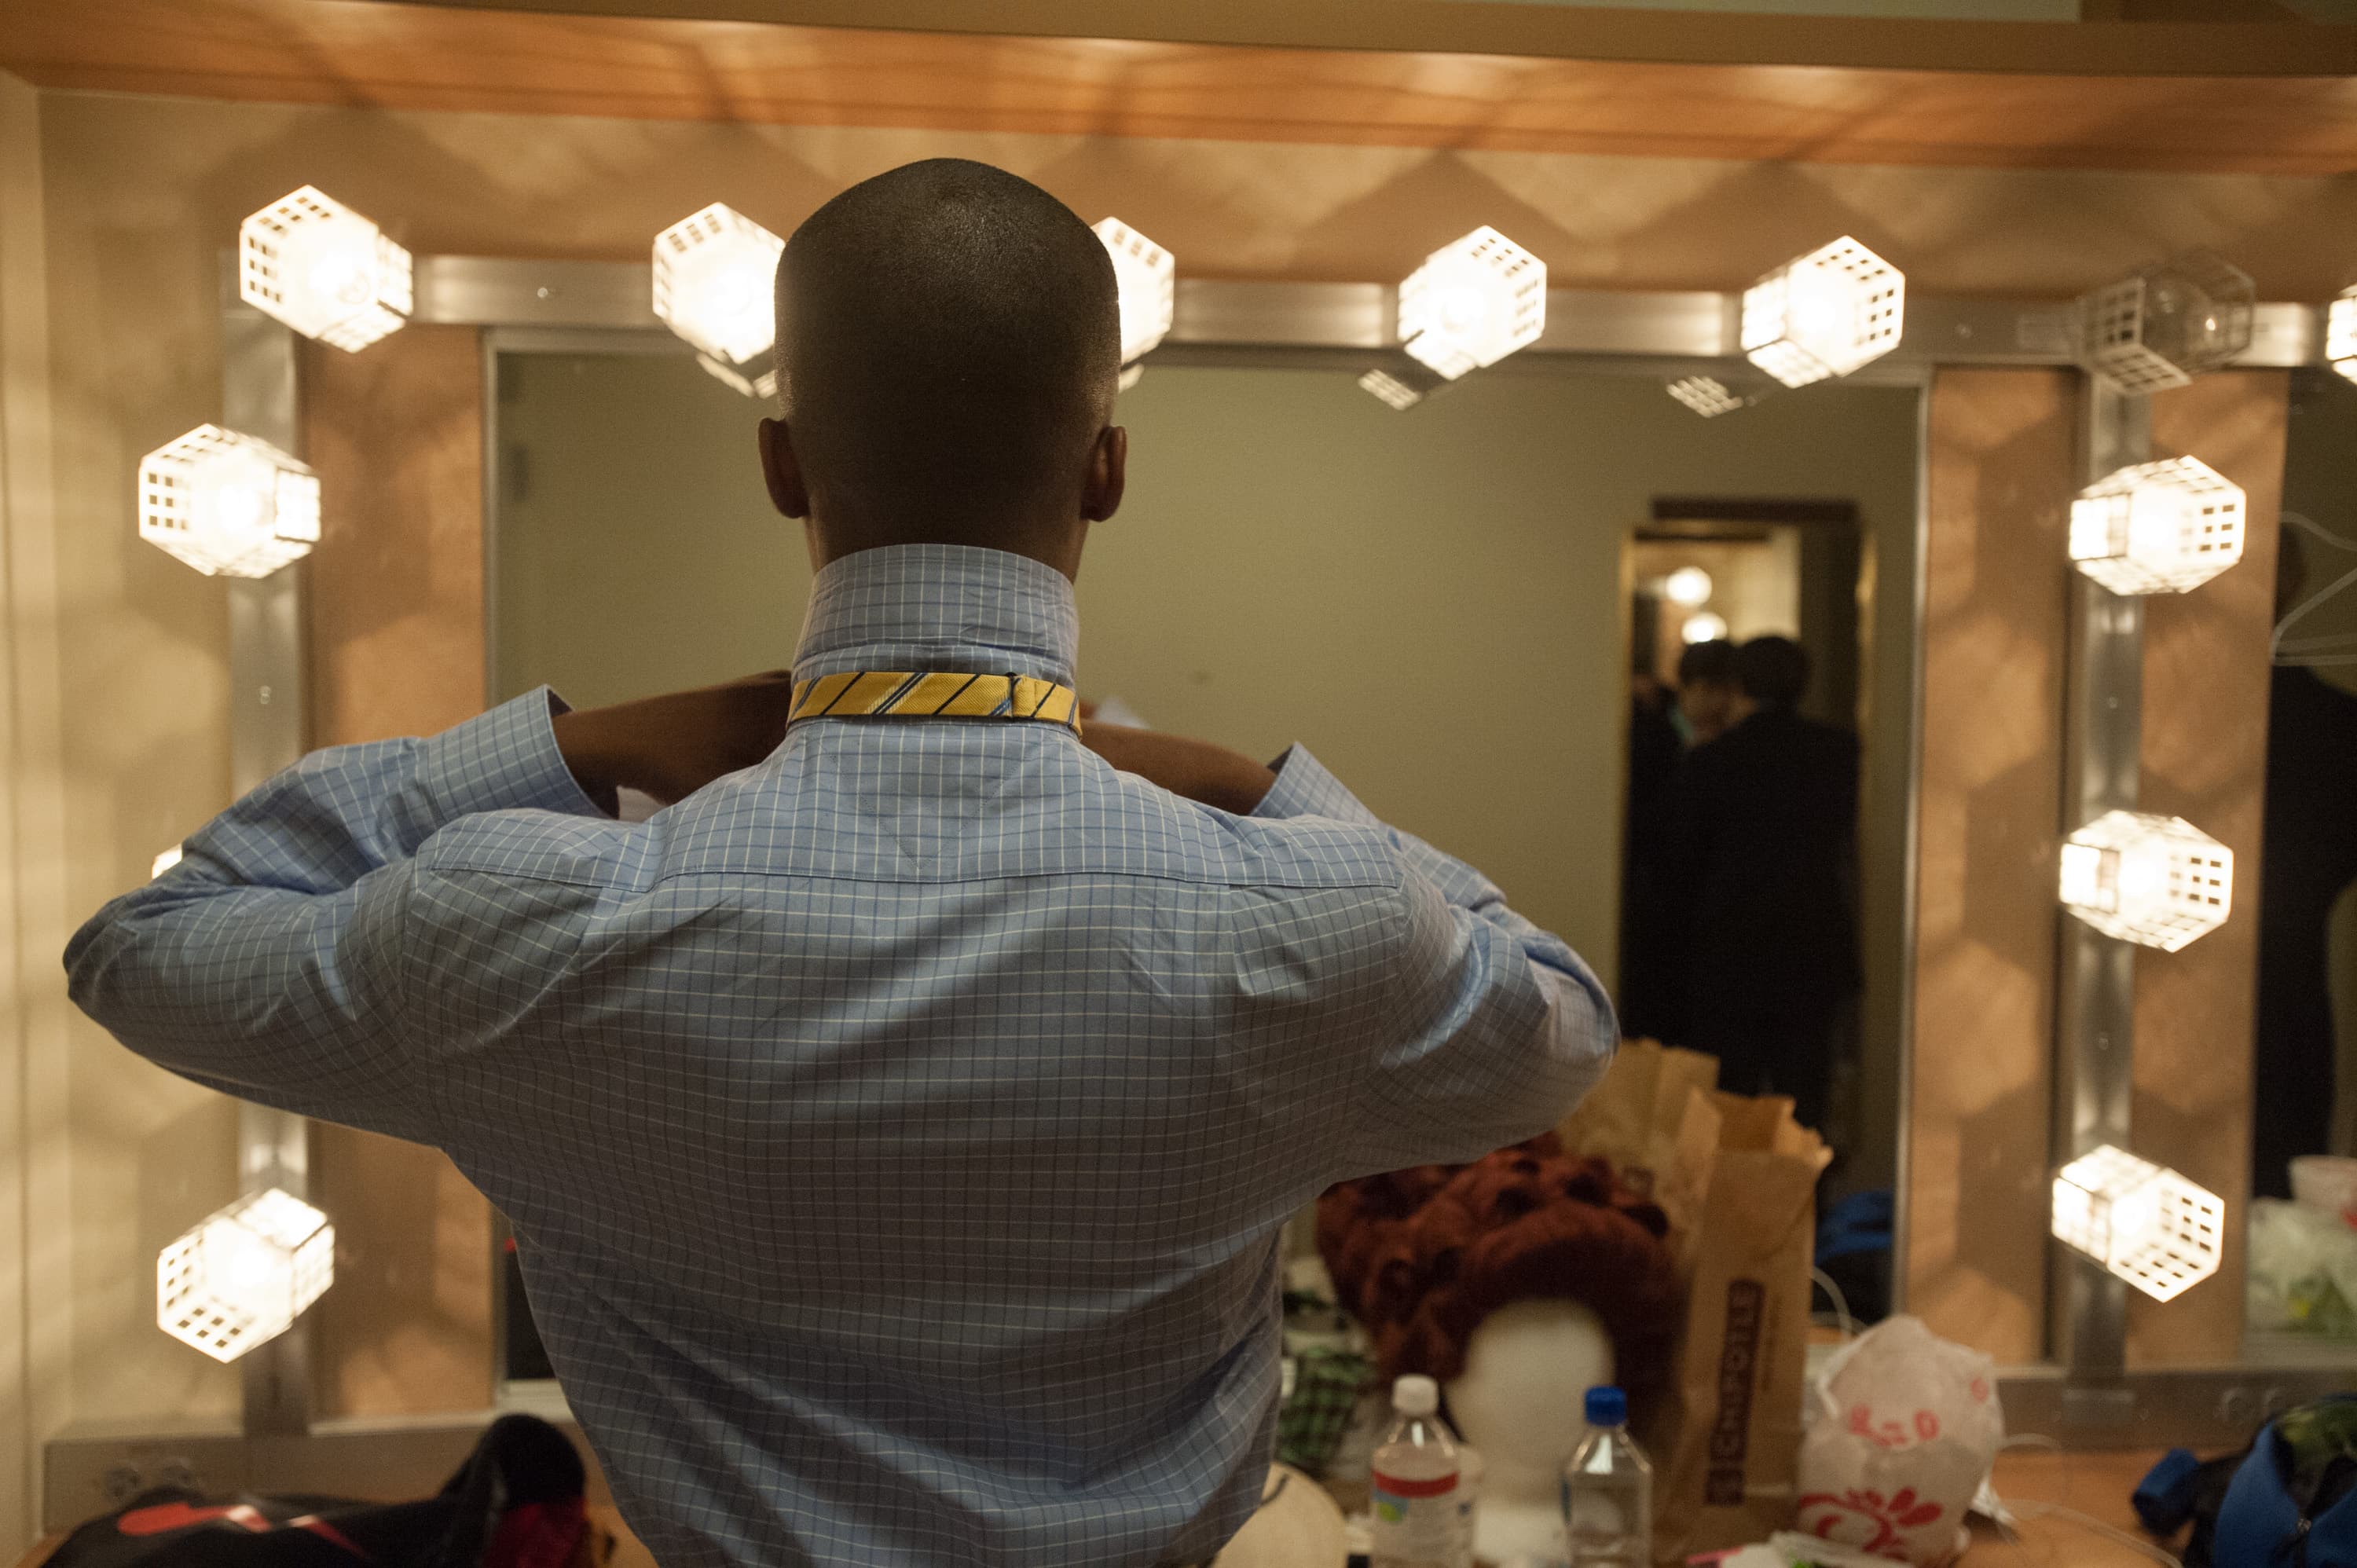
x: 2096, y: 1001
x: 482, y: 291
x: 267, y: 736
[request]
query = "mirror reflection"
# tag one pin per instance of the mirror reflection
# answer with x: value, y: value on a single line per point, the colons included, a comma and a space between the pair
x: 2303, y: 1276
x: 1460, y: 608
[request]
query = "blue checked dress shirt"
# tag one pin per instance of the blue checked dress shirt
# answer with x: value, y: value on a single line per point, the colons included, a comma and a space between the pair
x: 898, y: 1132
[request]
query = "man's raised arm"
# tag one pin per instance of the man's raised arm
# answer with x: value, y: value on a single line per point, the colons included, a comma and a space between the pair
x: 266, y: 963
x: 1497, y: 1028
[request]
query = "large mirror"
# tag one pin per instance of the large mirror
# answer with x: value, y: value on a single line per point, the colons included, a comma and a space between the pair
x: 2303, y: 1257
x: 1474, y: 611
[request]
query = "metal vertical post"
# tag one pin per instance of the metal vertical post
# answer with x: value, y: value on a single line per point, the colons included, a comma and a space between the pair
x: 266, y: 726
x: 2095, y: 1078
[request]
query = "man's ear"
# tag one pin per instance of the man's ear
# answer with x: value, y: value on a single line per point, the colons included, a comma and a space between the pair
x: 782, y: 470
x: 1108, y: 475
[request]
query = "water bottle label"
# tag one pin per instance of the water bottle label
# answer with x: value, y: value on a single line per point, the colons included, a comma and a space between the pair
x: 1415, y: 1519
x: 1592, y: 1514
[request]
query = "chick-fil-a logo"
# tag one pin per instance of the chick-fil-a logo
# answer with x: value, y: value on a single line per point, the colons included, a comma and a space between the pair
x: 1884, y: 1522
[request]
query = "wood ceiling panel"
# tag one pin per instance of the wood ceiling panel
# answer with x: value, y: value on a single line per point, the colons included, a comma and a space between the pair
x: 358, y: 52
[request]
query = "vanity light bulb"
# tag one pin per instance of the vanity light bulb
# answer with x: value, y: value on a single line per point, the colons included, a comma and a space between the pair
x: 1824, y: 314
x: 1688, y: 586
x: 1471, y: 304
x: 713, y: 272
x: 2164, y: 325
x: 1704, y: 628
x: 2159, y: 882
x: 324, y: 270
x: 2158, y: 528
x: 2340, y: 334
x: 242, y: 1275
x: 1149, y: 280
x: 228, y: 504
x: 1707, y: 395
x: 2142, y: 1222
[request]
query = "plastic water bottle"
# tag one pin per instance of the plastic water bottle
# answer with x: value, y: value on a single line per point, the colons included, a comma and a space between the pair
x: 1415, y: 1482
x: 1607, y: 1491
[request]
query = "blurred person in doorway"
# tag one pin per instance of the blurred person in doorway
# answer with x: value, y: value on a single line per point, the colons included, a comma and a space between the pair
x: 1756, y: 888
x: 1663, y: 722
x: 1709, y: 698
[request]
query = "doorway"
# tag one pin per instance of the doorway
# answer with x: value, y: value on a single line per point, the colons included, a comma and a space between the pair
x: 1708, y: 580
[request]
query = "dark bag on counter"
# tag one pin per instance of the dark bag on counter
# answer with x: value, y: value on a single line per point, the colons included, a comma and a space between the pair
x: 516, y: 1503
x: 2293, y: 1503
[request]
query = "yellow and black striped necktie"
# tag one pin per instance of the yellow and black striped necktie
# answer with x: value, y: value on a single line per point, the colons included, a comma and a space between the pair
x: 934, y: 694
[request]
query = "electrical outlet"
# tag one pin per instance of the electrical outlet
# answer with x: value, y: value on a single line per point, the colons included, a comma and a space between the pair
x: 126, y: 1481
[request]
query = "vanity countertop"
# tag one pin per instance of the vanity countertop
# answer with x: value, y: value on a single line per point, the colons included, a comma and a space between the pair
x: 2098, y: 1485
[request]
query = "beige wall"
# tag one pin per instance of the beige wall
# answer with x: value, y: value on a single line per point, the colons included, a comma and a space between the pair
x: 141, y: 195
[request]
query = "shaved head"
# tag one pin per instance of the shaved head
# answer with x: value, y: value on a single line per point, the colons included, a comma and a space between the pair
x: 948, y: 344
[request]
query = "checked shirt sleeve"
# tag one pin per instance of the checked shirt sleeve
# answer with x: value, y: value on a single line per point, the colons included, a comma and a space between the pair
x: 1496, y: 1028
x: 266, y: 963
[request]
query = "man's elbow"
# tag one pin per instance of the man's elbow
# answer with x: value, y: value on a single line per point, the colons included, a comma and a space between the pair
x: 1583, y: 1035
x: 99, y: 961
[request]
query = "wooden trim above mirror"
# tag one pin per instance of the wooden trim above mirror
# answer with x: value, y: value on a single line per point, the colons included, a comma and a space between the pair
x: 1909, y: 106
x: 2132, y: 37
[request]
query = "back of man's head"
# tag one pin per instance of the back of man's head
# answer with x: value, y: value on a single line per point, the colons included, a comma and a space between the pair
x: 1710, y: 662
x: 1773, y: 671
x: 948, y: 340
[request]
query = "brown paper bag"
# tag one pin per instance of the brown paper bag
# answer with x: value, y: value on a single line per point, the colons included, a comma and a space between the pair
x: 1738, y: 1179
x: 1730, y: 1446
x: 1633, y: 1116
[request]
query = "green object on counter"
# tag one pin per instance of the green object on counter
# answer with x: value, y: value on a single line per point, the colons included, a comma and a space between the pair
x: 1326, y: 1389
x: 2317, y: 1434
x: 2319, y: 1307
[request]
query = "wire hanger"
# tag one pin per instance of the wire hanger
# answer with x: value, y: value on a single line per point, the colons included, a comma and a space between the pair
x: 2333, y: 647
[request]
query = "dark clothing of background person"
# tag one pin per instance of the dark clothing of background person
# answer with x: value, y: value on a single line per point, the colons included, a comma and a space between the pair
x: 1655, y: 750
x: 1755, y: 890
x: 2309, y: 855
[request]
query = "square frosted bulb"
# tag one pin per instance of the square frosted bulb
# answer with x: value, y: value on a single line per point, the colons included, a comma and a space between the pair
x: 229, y: 505
x: 2158, y: 528
x: 2142, y: 1222
x: 1148, y: 279
x: 714, y: 276
x: 2166, y: 324
x: 1824, y: 314
x: 323, y: 269
x: 1707, y: 395
x: 1471, y: 304
x: 2340, y: 334
x: 2159, y: 882
x: 242, y: 1277
x: 1393, y: 391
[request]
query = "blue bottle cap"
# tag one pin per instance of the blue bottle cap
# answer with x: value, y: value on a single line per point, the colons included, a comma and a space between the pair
x: 1607, y: 1407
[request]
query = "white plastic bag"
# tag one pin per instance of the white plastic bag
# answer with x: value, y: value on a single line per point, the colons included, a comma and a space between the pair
x: 1903, y: 1428
x: 2303, y: 1270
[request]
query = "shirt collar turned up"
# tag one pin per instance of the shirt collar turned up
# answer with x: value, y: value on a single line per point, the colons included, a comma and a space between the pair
x: 939, y: 607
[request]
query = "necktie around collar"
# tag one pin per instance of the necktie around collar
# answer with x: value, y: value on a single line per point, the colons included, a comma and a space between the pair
x: 934, y: 694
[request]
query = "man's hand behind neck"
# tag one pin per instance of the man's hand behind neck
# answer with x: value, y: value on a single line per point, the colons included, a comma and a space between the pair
x: 672, y: 746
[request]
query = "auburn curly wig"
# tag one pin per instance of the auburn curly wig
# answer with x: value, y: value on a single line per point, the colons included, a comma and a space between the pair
x: 1420, y: 1257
